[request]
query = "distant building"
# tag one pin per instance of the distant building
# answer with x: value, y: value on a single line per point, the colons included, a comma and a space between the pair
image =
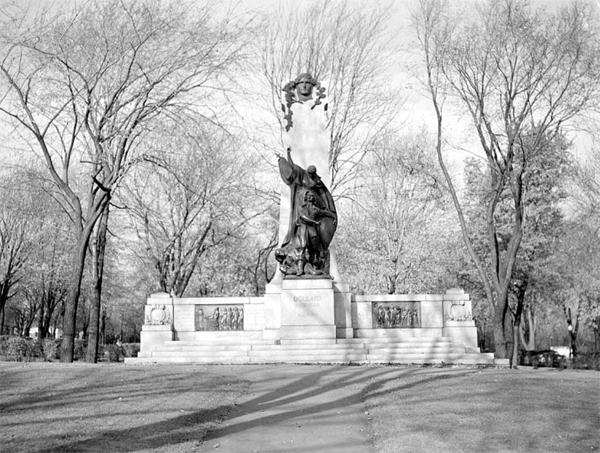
x: 34, y: 332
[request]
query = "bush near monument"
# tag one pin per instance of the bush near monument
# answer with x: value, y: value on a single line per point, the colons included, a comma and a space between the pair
x: 22, y: 349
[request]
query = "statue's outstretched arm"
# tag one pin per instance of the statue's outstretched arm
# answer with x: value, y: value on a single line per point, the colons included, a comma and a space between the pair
x: 286, y: 168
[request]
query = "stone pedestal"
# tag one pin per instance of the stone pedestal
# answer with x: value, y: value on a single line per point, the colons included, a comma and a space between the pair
x: 158, y: 325
x: 153, y: 337
x: 272, y: 311
x: 307, y: 309
x: 311, y: 321
x: 463, y: 332
x: 343, y: 310
x: 458, y: 320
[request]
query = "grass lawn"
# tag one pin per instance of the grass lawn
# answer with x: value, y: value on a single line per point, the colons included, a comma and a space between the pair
x: 491, y: 410
x: 54, y: 407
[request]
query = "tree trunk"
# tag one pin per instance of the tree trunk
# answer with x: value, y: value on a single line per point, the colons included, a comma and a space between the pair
x: 391, y: 284
x: 70, y: 315
x: 521, y: 289
x: 529, y: 342
x: 3, y: 300
x: 596, y: 333
x: 508, y: 336
x: 516, y: 327
x: 500, y: 340
x: 98, y: 251
x: 103, y: 325
x: 48, y: 318
x: 2, y: 320
x: 514, y: 363
x: 41, y: 330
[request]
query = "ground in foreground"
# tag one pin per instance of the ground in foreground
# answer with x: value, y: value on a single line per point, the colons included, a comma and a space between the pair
x: 53, y: 407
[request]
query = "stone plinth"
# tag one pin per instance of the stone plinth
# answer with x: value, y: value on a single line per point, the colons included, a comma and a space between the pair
x: 343, y: 310
x: 307, y: 309
x: 153, y: 337
x: 463, y: 332
x: 272, y: 310
x: 311, y: 321
x: 458, y: 320
x: 158, y: 323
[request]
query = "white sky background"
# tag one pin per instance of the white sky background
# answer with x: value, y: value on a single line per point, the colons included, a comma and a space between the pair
x: 417, y: 110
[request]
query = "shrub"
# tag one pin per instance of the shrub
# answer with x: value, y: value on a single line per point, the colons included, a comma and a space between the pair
x: 3, y: 344
x: 34, y: 348
x: 19, y: 349
x: 114, y: 352
x: 586, y: 361
x: 50, y: 349
x: 79, y: 349
x: 131, y: 349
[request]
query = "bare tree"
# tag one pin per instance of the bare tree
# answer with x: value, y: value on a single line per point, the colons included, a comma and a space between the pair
x: 399, y: 192
x: 20, y: 222
x: 521, y: 75
x: 14, y: 251
x: 98, y: 252
x: 184, y: 202
x: 585, y: 191
x: 347, y: 48
x: 586, y: 195
x: 45, y: 284
x: 87, y: 84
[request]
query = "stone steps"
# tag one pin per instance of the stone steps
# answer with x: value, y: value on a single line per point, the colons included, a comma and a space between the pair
x: 393, y: 340
x: 186, y: 360
x: 225, y: 350
x: 351, y: 359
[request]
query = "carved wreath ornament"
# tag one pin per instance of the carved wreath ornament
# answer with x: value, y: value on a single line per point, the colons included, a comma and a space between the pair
x: 158, y: 315
x: 458, y: 312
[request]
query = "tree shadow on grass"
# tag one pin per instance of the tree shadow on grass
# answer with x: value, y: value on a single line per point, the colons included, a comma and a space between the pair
x: 276, y: 392
x: 70, y: 409
x: 357, y: 380
x: 493, y: 410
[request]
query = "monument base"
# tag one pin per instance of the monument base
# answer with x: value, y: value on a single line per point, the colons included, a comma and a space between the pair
x: 312, y: 321
x: 307, y: 309
x: 153, y: 337
x: 307, y: 332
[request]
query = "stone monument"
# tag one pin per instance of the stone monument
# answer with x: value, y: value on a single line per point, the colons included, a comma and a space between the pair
x: 305, y: 135
x: 309, y: 298
x: 307, y: 314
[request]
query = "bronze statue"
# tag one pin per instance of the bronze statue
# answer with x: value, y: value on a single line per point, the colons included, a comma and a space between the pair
x: 290, y: 262
x: 313, y: 218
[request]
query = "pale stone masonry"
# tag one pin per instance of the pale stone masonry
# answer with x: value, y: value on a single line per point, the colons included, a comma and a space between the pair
x: 312, y: 321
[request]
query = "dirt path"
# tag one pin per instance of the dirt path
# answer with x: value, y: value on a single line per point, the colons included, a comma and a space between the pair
x: 298, y: 409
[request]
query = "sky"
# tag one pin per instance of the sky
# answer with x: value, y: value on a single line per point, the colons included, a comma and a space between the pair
x: 418, y: 108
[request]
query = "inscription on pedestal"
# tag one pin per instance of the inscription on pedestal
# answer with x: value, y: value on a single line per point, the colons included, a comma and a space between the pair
x: 307, y: 307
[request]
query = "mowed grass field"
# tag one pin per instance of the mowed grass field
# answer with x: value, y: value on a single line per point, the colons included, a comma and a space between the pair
x: 54, y: 407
